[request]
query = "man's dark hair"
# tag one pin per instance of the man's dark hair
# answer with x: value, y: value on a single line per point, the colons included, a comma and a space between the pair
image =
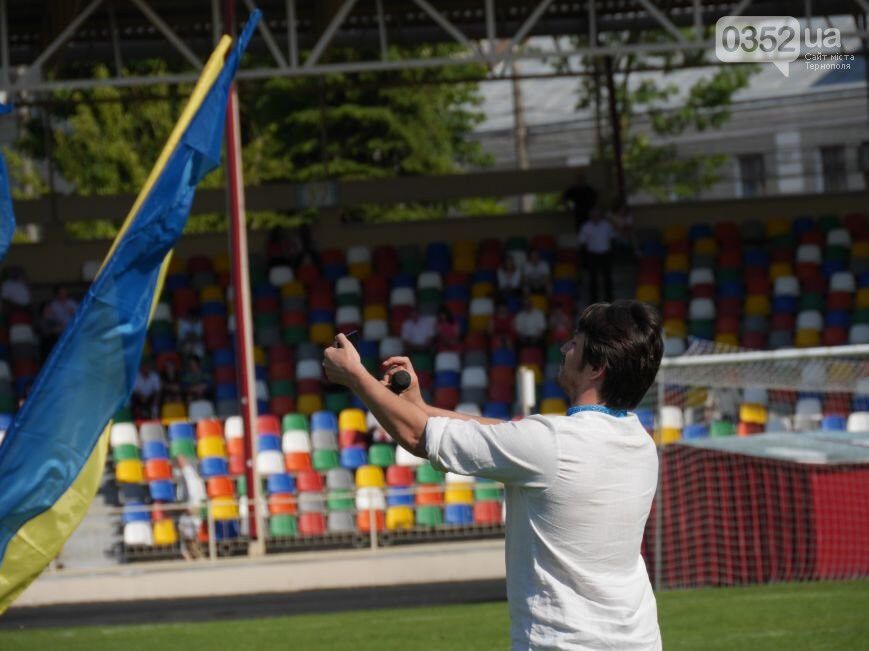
x: 623, y: 337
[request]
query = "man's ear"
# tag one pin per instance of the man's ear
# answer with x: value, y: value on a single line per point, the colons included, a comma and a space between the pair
x: 598, y: 373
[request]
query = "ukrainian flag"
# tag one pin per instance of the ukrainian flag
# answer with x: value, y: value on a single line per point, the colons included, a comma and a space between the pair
x: 7, y: 216
x: 53, y: 456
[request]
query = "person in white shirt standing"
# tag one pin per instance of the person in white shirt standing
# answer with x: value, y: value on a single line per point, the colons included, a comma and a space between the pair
x: 578, y: 487
x: 596, y: 239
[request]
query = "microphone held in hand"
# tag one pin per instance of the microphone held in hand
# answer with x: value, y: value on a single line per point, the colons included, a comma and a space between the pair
x: 399, y: 381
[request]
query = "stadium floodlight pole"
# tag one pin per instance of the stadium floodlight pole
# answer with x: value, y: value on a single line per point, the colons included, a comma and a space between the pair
x: 241, y: 299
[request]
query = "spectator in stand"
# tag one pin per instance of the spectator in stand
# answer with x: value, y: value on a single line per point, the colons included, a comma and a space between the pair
x: 189, y: 333
x: 560, y: 326
x: 509, y: 278
x: 195, y: 382
x: 170, y: 379
x: 447, y: 329
x: 596, y: 240
x: 529, y: 324
x: 56, y: 316
x: 146, y: 392
x: 15, y: 291
x: 580, y: 198
x: 418, y: 331
x: 536, y: 274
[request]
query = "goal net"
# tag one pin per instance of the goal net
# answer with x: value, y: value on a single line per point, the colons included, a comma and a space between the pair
x: 764, y: 462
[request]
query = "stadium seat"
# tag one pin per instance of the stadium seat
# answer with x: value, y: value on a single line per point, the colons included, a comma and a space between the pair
x: 399, y: 517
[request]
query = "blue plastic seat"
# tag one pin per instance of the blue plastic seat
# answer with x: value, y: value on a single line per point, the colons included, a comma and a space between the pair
x: 134, y: 512
x: 261, y: 373
x: 400, y: 497
x: 699, y: 230
x: 785, y: 304
x: 181, y: 431
x: 834, y: 423
x: 695, y: 431
x: 438, y: 257
x: 831, y: 267
x: 756, y: 258
x: 486, y: 276
x: 223, y: 357
x: 837, y: 319
x: 155, y: 450
x: 225, y: 391
x: 459, y: 514
x: 731, y: 289
x: 353, y: 457
x: 225, y: 529
x: 456, y: 293
x: 496, y: 410
x: 269, y: 442
x: 564, y: 286
x: 367, y: 348
x: 334, y: 271
x: 176, y: 281
x: 450, y: 379
x: 5, y: 421
x: 863, y: 280
x: 802, y: 225
x: 324, y: 420
x: 162, y: 490
x: 213, y: 308
x: 551, y: 390
x: 513, y: 303
x: 653, y: 249
x: 162, y: 344
x: 402, y: 280
x: 504, y: 357
x: 281, y: 483
x: 321, y: 316
x: 213, y: 467
x: 266, y: 290
x: 646, y: 418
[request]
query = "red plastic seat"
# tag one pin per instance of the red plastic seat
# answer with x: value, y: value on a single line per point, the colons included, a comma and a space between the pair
x: 19, y: 317
x: 280, y: 370
x: 199, y: 264
x: 501, y: 393
x: 399, y: 476
x: 351, y: 437
x: 295, y: 318
x: 730, y: 258
x: 266, y: 305
x: 375, y: 290
x: 834, y: 336
x: 363, y: 521
x: 730, y: 306
x: 281, y: 405
x: 531, y: 355
x: 679, y: 247
x: 385, y: 260
x: 747, y: 429
x: 308, y: 274
x: 704, y: 290
x: 814, y: 285
x: 268, y: 424
x: 812, y: 237
x: 309, y: 386
x: 184, y: 299
x: 782, y: 255
x: 297, y: 461
x: 446, y: 397
x: 281, y: 353
x: 755, y: 340
x: 487, y: 513
x: 727, y: 325
x: 163, y: 359
x: 209, y: 427
x: 783, y: 322
x: 156, y: 469
x: 224, y: 375
x: 758, y: 284
x: 727, y: 232
x: 237, y: 465
x: 457, y: 278
x: 840, y: 300
x: 309, y: 481
x: 332, y: 256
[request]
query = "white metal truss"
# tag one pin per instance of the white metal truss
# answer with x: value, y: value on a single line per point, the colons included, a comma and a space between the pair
x: 498, y: 38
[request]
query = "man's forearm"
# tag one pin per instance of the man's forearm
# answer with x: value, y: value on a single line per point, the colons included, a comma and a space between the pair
x: 403, y: 420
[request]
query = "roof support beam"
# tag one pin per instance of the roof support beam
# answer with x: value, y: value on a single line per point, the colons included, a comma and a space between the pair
x: 171, y: 36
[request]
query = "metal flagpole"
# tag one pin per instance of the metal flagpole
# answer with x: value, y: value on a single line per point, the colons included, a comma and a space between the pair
x: 241, y: 299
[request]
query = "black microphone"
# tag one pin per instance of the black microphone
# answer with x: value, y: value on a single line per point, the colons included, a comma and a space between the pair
x: 399, y: 381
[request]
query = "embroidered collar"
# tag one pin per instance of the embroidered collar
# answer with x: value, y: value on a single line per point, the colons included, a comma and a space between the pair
x: 603, y: 409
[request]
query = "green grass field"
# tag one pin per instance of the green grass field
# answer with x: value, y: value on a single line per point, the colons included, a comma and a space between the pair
x: 791, y: 616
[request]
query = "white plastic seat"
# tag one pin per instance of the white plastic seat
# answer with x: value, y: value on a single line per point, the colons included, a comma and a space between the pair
x: 138, y: 533
x: 402, y: 296
x: 233, y: 428
x: 370, y: 498
x: 839, y: 237
x: 199, y: 409
x: 22, y: 333
x: 391, y: 347
x: 469, y: 408
x: 842, y: 281
x: 347, y: 314
x: 123, y: 434
x: 262, y: 390
x: 90, y: 269
x: 787, y: 286
x: 701, y: 276
x: 809, y: 253
x: 447, y: 360
x: 405, y: 458
x: 474, y: 377
x: 776, y: 423
x: 859, y: 334
x: 701, y: 309
x: 347, y: 285
x: 281, y: 275
x: 270, y: 462
x: 429, y: 280
x: 152, y: 431
x: 673, y: 346
x: 375, y: 330
x: 358, y: 254
x: 230, y: 323
x: 5, y: 372
x: 809, y: 407
x: 323, y: 439
x: 482, y: 306
x: 671, y: 417
x: 858, y: 421
x: 162, y: 312
x: 295, y: 440
x: 755, y: 396
x: 309, y: 369
x: 810, y: 320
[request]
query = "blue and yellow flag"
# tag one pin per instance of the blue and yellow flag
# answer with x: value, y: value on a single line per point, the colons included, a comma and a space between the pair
x: 53, y: 456
x: 7, y: 216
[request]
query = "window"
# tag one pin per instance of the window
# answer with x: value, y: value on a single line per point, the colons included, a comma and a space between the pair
x: 752, y: 175
x: 833, y: 168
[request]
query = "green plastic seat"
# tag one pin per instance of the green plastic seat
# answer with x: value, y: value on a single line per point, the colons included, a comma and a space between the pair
x: 676, y: 292
x: 381, y: 454
x: 282, y: 388
x: 294, y: 421
x: 813, y: 301
x: 241, y: 485
x: 724, y: 274
x: 422, y: 361
x: 124, y: 452
x: 784, y: 241
x: 861, y: 316
x: 721, y: 428
x: 283, y: 525
x: 702, y: 328
x: 124, y: 415
x: 295, y: 335
x: 341, y: 500
x: 425, y: 474
x: 263, y: 320
x: 161, y: 328
x: 487, y: 491
x: 182, y: 448
x: 517, y: 243
x: 428, y: 295
x: 553, y: 353
x: 828, y: 222
x: 372, y: 365
x: 352, y: 300
x: 324, y: 459
x: 836, y: 253
x: 429, y: 516
x: 7, y: 403
x: 336, y: 401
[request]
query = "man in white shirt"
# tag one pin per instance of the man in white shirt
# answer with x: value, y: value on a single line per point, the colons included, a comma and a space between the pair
x: 418, y: 331
x: 14, y: 290
x: 596, y: 238
x: 529, y: 323
x: 536, y: 273
x: 146, y: 392
x: 578, y: 487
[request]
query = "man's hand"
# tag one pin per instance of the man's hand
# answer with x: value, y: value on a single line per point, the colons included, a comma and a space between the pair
x: 412, y: 393
x: 342, y: 363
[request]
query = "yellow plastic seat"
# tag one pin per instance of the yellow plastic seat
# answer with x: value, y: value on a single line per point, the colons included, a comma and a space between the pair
x: 370, y: 477
x: 727, y: 339
x: 553, y: 406
x: 259, y: 356
x: 540, y: 302
x: 807, y: 338
x: 360, y: 270
x: 675, y: 328
x: 130, y: 471
x: 292, y: 289
x: 862, y: 298
x: 675, y: 233
x: 780, y: 270
x: 695, y: 397
x: 210, y: 446
x: 352, y: 419
x: 479, y: 323
x: 649, y: 294
x: 753, y: 413
x: 165, y: 532
x: 668, y: 435
x: 321, y: 333
x: 221, y: 263
x: 173, y: 411
x: 564, y: 270
x: 538, y: 372
x: 464, y: 247
x: 224, y: 508
x: 465, y: 263
x: 778, y: 226
x: 706, y: 246
x: 757, y: 305
x: 374, y: 313
x: 482, y: 289
x: 399, y: 517
x: 176, y: 266
x: 459, y: 494
x: 309, y: 403
x: 677, y: 262
x: 860, y: 250
x: 211, y: 293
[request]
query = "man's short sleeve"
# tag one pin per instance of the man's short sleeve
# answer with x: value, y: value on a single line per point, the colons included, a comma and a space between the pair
x: 523, y: 453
